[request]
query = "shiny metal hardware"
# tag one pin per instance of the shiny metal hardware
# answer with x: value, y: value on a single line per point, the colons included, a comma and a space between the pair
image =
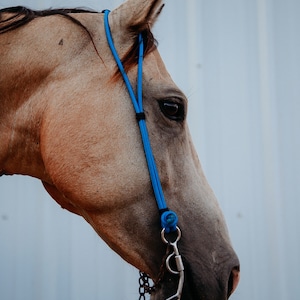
x: 178, y: 260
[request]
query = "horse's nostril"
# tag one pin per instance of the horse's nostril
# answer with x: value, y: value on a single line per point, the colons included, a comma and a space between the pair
x: 234, y: 279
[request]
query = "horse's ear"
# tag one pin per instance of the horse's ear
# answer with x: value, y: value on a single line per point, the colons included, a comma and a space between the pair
x: 137, y: 15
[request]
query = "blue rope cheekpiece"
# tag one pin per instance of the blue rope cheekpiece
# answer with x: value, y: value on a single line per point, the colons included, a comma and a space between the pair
x: 169, y: 218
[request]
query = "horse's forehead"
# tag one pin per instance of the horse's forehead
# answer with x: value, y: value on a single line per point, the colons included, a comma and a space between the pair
x: 154, y: 66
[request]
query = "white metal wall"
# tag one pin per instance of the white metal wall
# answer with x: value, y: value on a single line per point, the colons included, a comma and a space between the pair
x: 239, y: 63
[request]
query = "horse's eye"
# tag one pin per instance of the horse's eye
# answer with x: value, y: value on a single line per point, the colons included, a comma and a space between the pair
x: 172, y: 110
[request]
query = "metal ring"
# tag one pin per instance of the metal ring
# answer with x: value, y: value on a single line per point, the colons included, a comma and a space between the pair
x: 164, y: 239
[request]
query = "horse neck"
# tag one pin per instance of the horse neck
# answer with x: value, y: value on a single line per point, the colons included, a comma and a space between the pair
x: 19, y: 116
x: 31, y: 61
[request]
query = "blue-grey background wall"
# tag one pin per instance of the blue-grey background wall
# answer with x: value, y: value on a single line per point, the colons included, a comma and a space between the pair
x: 238, y: 61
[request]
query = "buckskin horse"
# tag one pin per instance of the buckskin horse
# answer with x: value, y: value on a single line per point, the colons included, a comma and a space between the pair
x: 67, y: 118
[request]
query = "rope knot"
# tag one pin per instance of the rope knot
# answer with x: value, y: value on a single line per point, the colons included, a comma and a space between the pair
x: 169, y: 221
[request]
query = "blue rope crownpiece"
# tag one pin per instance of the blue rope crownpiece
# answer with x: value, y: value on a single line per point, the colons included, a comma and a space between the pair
x: 168, y: 218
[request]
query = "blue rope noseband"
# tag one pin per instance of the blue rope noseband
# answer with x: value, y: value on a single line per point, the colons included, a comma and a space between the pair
x: 169, y: 218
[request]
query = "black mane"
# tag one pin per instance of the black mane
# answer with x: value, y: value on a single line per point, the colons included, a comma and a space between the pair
x: 22, y: 15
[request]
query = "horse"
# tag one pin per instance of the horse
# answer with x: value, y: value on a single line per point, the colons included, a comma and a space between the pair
x: 66, y: 118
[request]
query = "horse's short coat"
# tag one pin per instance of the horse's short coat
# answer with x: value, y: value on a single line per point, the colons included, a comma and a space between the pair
x: 66, y: 118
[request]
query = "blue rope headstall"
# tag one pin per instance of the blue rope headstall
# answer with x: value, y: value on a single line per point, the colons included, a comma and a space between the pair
x: 168, y: 218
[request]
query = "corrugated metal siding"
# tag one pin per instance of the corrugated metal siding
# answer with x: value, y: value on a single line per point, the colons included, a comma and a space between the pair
x: 238, y: 61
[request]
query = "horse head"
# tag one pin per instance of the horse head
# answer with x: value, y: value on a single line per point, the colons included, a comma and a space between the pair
x: 74, y: 127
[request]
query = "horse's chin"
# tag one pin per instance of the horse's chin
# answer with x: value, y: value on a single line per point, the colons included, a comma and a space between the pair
x: 193, y: 288
x: 168, y: 287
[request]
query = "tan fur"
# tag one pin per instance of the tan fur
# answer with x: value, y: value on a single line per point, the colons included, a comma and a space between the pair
x: 63, y: 121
